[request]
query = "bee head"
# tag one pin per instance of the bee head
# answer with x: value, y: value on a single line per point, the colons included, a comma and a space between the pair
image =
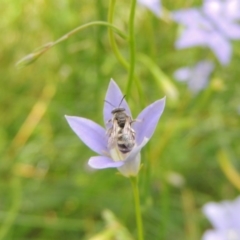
x: 118, y: 110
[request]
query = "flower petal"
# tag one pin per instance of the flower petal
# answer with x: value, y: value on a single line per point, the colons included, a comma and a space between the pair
x: 188, y: 17
x: 226, y: 10
x: 227, y: 27
x: 200, y: 75
x: 192, y: 37
x: 147, y: 120
x: 92, y: 134
x: 221, y: 47
x: 153, y: 5
x: 132, y: 162
x: 222, y: 234
x: 131, y: 168
x: 232, y: 8
x: 136, y: 150
x: 221, y: 15
x: 196, y: 76
x: 100, y: 162
x: 183, y: 74
x: 113, y: 97
x: 216, y: 213
x: 224, y: 215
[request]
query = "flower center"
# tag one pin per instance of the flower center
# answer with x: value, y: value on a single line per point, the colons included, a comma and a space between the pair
x: 116, y: 154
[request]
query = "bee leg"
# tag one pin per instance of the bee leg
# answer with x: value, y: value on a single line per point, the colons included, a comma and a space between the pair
x: 110, y: 120
x: 136, y: 120
x: 108, y: 132
x: 106, y: 154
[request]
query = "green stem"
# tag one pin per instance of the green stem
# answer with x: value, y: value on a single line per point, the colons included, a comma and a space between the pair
x: 134, y: 183
x: 132, y: 47
x: 33, y: 56
x: 103, y: 23
x: 111, y: 36
x: 12, y: 214
x: 164, y: 82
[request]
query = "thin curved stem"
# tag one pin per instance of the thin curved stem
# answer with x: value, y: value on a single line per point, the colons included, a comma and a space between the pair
x: 111, y: 36
x: 103, y: 23
x: 132, y: 46
x: 30, y: 58
x: 135, y: 189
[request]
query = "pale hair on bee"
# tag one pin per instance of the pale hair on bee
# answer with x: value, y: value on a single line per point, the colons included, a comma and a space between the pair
x: 121, y: 133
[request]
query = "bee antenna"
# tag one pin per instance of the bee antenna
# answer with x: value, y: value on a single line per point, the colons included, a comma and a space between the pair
x: 121, y: 100
x: 109, y: 103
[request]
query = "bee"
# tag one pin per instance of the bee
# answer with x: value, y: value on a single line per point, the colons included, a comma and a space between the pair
x: 121, y: 132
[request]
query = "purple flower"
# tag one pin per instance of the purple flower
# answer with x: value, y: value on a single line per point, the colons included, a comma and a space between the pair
x: 211, y: 26
x: 95, y: 137
x: 229, y: 10
x: 197, y: 76
x: 152, y: 5
x: 223, y: 15
x: 225, y: 218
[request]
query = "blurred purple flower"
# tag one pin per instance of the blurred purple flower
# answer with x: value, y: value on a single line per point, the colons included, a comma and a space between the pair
x: 223, y: 15
x: 95, y: 137
x: 152, y: 5
x: 225, y: 218
x: 197, y: 76
x: 228, y: 9
x: 212, y: 26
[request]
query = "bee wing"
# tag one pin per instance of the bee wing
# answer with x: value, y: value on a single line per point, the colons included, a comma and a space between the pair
x: 127, y: 130
x: 113, y: 134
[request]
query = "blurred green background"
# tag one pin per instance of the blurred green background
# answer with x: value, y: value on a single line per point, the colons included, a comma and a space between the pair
x: 47, y: 191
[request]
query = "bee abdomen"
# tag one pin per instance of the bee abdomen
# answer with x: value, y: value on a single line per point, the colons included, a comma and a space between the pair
x: 125, y: 144
x: 123, y: 148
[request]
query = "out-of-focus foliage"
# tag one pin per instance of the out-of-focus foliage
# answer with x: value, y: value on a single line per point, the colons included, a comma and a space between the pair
x: 46, y: 189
